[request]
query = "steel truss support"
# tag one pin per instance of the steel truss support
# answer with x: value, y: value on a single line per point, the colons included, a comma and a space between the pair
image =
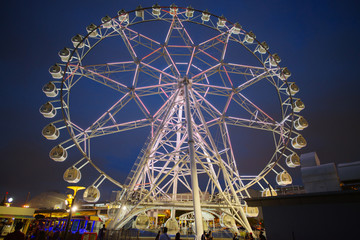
x: 194, y: 178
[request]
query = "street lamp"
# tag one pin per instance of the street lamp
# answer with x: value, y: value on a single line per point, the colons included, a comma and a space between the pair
x: 9, y: 201
x: 71, y: 200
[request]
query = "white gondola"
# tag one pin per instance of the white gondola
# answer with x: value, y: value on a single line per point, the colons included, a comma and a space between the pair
x: 173, y: 9
x: 300, y: 124
x: 50, y: 132
x: 293, y: 160
x: 205, y: 16
x: 298, y: 106
x: 106, y: 22
x: 72, y: 175
x: 58, y: 154
x: 268, y: 193
x: 142, y: 221
x: 172, y: 226
x: 283, y: 178
x: 263, y: 47
x: 91, y: 29
x: 275, y: 59
x: 293, y: 89
x: 189, y: 12
x: 236, y: 29
x: 64, y: 54
x: 48, y: 110
x: 56, y: 71
x: 251, y: 211
x: 91, y: 194
x: 249, y: 37
x: 50, y: 89
x: 227, y: 221
x: 139, y: 12
x: 285, y: 74
x: 123, y: 16
x: 298, y: 142
x: 77, y: 41
x: 221, y: 21
x: 156, y: 10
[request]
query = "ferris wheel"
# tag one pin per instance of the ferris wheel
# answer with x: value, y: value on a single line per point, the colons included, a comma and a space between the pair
x: 200, y: 86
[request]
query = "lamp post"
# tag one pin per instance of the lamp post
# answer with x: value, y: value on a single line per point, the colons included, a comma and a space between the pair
x: 70, y: 204
x: 9, y: 201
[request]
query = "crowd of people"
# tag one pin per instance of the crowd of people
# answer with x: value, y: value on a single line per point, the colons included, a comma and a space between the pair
x: 163, y: 235
x: 38, y: 233
x: 248, y: 236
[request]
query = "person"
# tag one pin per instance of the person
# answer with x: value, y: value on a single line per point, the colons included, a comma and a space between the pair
x: 262, y: 237
x: 177, y: 236
x: 157, y: 236
x: 77, y: 235
x: 209, y: 236
x: 56, y: 233
x: 236, y: 237
x: 247, y: 236
x: 102, y: 233
x: 251, y: 236
x: 16, y: 235
x: 203, y: 236
x: 164, y: 235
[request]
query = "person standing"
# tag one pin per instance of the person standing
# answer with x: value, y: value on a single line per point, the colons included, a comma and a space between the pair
x: 262, y: 237
x: 235, y: 237
x: 209, y: 236
x: 177, y: 236
x: 164, y: 235
x: 102, y: 232
x: 16, y: 235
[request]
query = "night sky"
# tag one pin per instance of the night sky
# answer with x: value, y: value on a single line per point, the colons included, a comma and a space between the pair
x: 316, y: 40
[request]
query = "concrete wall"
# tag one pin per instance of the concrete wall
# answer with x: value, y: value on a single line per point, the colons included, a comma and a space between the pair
x: 349, y: 171
x: 322, y: 178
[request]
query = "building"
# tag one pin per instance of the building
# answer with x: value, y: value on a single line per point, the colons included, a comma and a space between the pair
x: 327, y: 208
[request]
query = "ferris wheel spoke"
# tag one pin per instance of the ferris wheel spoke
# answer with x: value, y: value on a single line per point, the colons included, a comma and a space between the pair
x: 212, y: 107
x: 102, y: 74
x: 211, y: 44
x: 225, y: 47
x: 255, y: 124
x: 211, y: 146
x: 155, y: 89
x: 251, y: 74
x: 170, y: 61
x: 111, y: 112
x: 208, y: 72
x: 226, y: 140
x: 254, y: 78
x: 126, y: 39
x: 142, y: 106
x: 152, y: 69
x: 178, y: 31
x: 254, y: 111
x: 176, y: 24
x: 118, y: 127
x: 215, y: 89
x: 141, y: 39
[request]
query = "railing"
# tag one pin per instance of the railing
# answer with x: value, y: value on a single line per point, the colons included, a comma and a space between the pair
x: 122, y: 234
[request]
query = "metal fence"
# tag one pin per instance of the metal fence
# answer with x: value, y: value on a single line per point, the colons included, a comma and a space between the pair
x: 122, y: 234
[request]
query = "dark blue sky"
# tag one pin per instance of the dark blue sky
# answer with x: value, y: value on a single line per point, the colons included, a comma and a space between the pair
x: 317, y: 41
